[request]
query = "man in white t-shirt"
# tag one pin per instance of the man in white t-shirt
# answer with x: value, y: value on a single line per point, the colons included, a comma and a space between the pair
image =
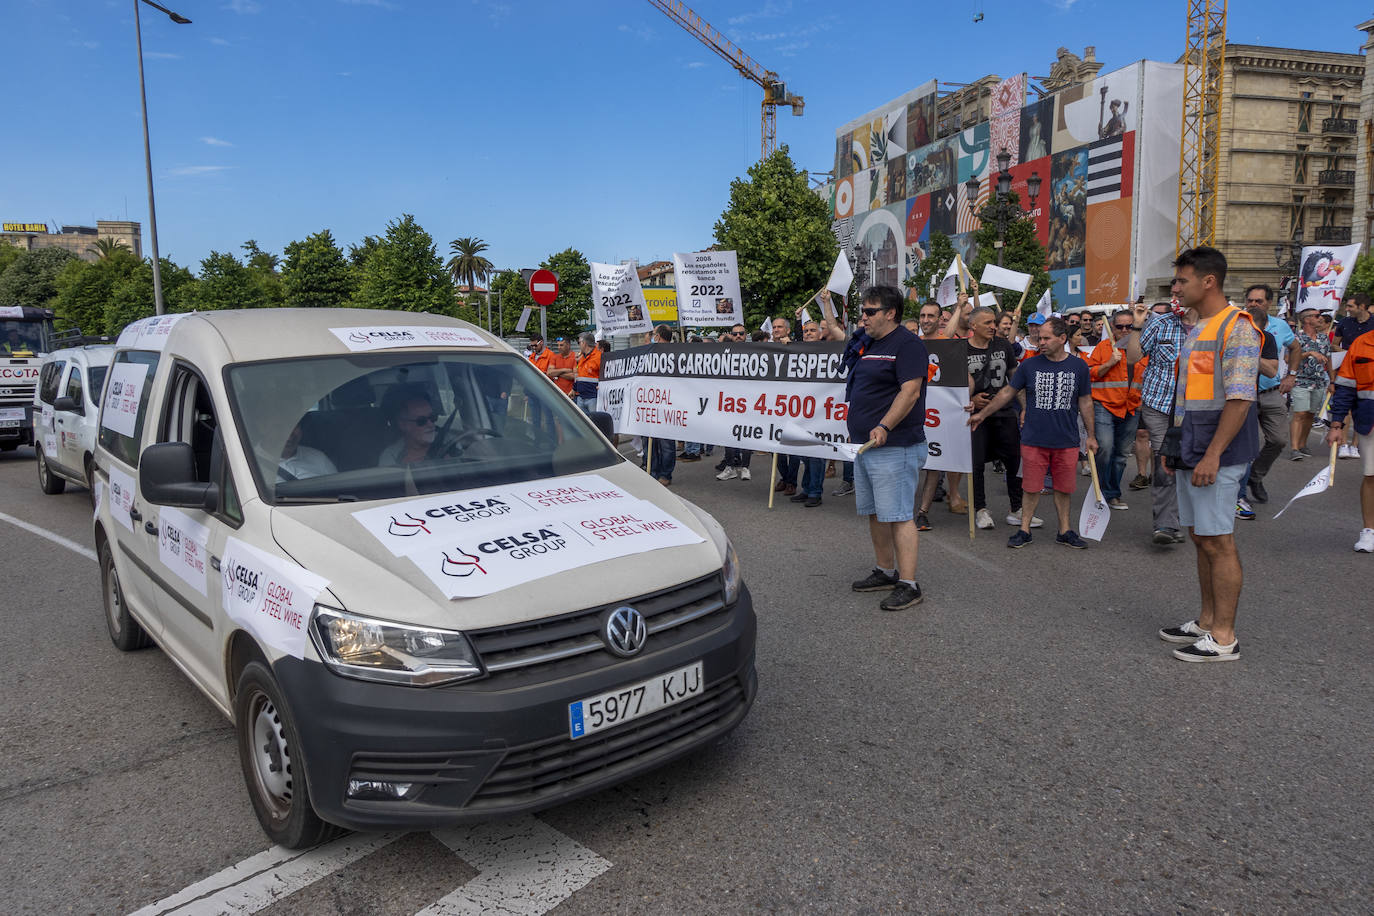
x: 301, y: 461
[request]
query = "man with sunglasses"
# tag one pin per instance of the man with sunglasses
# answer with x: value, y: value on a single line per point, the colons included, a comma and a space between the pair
x: 410, y: 412
x: 1114, y: 418
x: 734, y: 465
x: 887, y: 367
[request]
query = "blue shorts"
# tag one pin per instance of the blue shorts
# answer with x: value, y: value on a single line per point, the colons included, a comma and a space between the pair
x: 885, y: 481
x: 1209, y: 511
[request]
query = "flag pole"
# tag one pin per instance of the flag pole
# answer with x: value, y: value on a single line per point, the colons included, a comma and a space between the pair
x: 1024, y: 293
x: 969, y: 496
x: 772, y: 479
x: 959, y: 272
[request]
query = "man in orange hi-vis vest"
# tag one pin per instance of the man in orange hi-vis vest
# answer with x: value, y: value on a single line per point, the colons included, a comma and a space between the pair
x: 1354, y: 395
x: 1114, y: 414
x: 1215, y: 413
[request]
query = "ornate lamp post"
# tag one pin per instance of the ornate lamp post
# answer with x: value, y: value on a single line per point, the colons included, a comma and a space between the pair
x: 1000, y: 211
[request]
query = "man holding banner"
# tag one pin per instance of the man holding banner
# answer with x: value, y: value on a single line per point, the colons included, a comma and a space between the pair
x: 1354, y: 395
x: 887, y: 367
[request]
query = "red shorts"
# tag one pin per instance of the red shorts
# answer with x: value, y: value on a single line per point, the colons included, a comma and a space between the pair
x: 1059, y: 463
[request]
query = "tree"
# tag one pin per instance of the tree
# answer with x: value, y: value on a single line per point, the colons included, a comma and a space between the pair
x: 405, y: 273
x: 316, y: 273
x: 262, y: 271
x: 467, y: 266
x: 259, y: 259
x: 224, y: 283
x: 104, y: 248
x: 1022, y: 252
x: 571, y: 312
x: 132, y: 297
x: 359, y: 254
x: 781, y: 234
x: 1361, y: 276
x: 31, y: 279
x: 83, y: 289
x: 933, y: 266
x: 8, y: 255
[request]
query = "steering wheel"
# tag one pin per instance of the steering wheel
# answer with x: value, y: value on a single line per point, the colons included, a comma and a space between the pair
x: 459, y: 442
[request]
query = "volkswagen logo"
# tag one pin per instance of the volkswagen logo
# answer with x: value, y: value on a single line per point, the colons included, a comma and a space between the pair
x: 625, y: 631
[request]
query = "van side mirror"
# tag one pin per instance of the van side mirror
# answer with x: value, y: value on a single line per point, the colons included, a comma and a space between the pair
x: 602, y: 421
x: 167, y: 477
x: 70, y: 405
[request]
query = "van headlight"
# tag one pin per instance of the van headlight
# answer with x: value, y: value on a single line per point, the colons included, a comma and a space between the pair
x: 393, y: 653
x: 730, y: 573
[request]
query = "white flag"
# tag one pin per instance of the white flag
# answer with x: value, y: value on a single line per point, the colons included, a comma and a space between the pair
x: 841, y: 275
x: 827, y: 308
x: 1044, y: 305
x: 1092, y: 520
x: 1002, y: 278
x: 1323, y: 272
x: 767, y: 326
x: 988, y: 299
x: 1315, y: 485
x: 948, y: 293
x: 524, y: 319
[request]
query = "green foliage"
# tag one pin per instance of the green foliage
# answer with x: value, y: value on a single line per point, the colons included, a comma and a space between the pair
x: 316, y: 273
x: 104, y: 248
x: 512, y: 293
x: 1361, y: 276
x: 571, y: 312
x: 8, y: 255
x: 781, y: 234
x: 1023, y: 252
x: 31, y: 278
x: 359, y: 254
x: 132, y: 297
x: 933, y: 266
x: 404, y: 272
x: 224, y: 283
x: 258, y: 259
x: 84, y: 289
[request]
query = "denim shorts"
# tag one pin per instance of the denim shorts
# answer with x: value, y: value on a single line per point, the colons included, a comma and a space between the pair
x: 1209, y: 511
x: 1307, y: 400
x: 885, y: 481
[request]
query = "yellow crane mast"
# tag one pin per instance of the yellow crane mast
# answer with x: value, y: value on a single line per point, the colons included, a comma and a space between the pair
x: 1198, y: 158
x: 774, y: 90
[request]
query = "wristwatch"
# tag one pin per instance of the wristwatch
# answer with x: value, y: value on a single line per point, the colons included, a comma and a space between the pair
x: 885, y: 427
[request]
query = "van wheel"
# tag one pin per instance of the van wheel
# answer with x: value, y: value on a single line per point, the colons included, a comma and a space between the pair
x: 47, y: 480
x: 270, y: 754
x: 91, y: 482
x: 125, y: 632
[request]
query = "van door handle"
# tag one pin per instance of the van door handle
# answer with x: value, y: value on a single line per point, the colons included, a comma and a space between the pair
x: 150, y: 528
x: 135, y: 515
x: 214, y: 562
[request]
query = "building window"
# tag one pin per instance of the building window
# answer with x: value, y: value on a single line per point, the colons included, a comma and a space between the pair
x: 1305, y: 113
x: 1295, y: 218
x: 1300, y: 165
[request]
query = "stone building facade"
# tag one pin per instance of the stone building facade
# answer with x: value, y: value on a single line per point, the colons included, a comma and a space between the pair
x: 1362, y: 228
x: 79, y: 240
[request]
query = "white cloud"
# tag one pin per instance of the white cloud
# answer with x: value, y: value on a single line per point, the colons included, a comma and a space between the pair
x: 380, y: 4
x: 1063, y: 5
x: 219, y: 41
x: 191, y: 170
x: 770, y: 10
x: 243, y: 7
x: 215, y: 141
x: 695, y: 64
x: 161, y: 55
x: 642, y: 32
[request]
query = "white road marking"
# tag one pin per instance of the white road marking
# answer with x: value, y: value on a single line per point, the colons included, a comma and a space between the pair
x: 73, y: 546
x: 527, y: 868
x: 524, y: 867
x: 263, y: 879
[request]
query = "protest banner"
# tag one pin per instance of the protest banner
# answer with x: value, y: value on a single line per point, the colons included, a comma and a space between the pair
x: 1325, y: 480
x: 841, y: 275
x: 707, y: 288
x: 1323, y: 273
x: 1093, y: 519
x: 1005, y: 279
x: 618, y: 304
x: 947, y: 399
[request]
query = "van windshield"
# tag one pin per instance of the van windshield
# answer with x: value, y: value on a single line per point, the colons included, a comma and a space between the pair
x: 384, y: 425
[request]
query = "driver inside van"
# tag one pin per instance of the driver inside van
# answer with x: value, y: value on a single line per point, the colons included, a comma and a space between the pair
x: 410, y: 412
x: 301, y: 461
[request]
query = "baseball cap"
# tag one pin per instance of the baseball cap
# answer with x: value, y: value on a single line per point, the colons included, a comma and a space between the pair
x: 1037, y: 318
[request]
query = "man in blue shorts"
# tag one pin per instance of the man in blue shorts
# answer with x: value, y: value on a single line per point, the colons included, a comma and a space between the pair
x: 887, y: 367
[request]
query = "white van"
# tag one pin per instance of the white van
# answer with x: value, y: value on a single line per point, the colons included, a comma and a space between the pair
x: 420, y: 581
x: 65, y: 408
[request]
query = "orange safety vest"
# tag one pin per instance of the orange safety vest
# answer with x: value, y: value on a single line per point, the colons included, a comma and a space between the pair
x: 1112, y: 390
x: 556, y: 361
x: 1133, y: 396
x: 541, y: 359
x: 1204, y: 388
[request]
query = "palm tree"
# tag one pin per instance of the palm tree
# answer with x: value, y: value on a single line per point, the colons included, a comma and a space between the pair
x: 104, y: 248
x: 467, y: 264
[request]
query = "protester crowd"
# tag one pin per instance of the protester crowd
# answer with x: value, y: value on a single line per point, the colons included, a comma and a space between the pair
x: 1202, y: 395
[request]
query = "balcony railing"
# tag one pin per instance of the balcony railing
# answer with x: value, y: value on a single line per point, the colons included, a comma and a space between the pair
x: 1340, y: 177
x: 1338, y: 126
x: 1333, y: 234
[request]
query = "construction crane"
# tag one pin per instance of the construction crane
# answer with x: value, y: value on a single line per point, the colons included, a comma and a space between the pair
x: 774, y: 90
x: 1198, y: 158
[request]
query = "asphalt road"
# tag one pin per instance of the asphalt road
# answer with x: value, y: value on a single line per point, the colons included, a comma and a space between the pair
x: 1022, y: 741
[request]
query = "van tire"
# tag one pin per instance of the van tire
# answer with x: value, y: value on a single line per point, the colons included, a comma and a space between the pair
x: 273, y: 770
x: 125, y: 632
x: 49, y: 482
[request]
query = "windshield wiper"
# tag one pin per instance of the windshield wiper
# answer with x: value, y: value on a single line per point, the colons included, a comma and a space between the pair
x: 310, y: 500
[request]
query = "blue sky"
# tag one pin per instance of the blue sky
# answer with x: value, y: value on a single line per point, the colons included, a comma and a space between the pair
x: 533, y: 125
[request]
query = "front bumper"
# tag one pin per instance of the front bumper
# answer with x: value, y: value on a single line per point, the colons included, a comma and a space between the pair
x: 480, y: 750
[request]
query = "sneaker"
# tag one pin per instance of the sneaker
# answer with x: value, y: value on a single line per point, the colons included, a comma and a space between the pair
x: 1163, y: 537
x: 1244, y: 511
x: 1366, y: 542
x: 998, y: 467
x: 1307, y: 452
x: 1354, y: 450
x: 1019, y: 539
x: 1258, y: 493
x: 1118, y: 504
x: 983, y: 519
x: 922, y: 522
x: 1208, y: 649
x: 1014, y: 519
x: 1070, y: 538
x: 688, y: 457
x: 1186, y: 633
x: 902, y: 597
x: 721, y: 466
x: 813, y: 502
x: 1179, y: 536
x: 1083, y: 470
x: 877, y: 581
x: 1319, y: 423
x: 799, y: 498
x: 744, y: 474
x: 1296, y: 455
x: 727, y: 474
x: 1140, y: 482
x: 844, y: 489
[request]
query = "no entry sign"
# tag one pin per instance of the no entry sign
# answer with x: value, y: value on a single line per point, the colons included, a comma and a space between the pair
x: 543, y: 286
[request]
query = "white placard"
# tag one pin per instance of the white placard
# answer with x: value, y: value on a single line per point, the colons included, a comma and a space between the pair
x: 524, y: 319
x: 434, y: 521
x: 121, y: 496
x: 47, y: 416
x: 1092, y: 520
x: 1323, y: 272
x: 841, y: 275
x: 618, y: 300
x: 123, y: 391
x: 707, y: 288
x: 11, y: 311
x: 1004, y: 279
x: 498, y: 556
x: 147, y: 333
x: 183, y: 546
x: 50, y: 444
x: 270, y: 597
x: 988, y: 300
x: 1316, y: 485
x: 11, y: 413
x: 389, y: 337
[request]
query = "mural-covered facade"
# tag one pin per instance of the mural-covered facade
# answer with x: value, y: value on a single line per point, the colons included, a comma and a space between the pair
x: 1106, y: 152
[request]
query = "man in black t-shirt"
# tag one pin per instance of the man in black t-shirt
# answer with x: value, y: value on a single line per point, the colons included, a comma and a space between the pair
x: 991, y: 361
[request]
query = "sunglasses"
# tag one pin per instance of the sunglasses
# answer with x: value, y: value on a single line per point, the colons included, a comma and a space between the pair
x: 422, y: 420
x: 871, y: 312
x: 1122, y: 327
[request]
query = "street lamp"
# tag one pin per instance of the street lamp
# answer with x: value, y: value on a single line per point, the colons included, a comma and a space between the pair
x: 147, y: 152
x: 1000, y: 210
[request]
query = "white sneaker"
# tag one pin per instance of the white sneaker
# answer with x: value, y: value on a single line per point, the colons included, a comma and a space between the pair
x: 984, y: 520
x: 1344, y: 452
x: 1083, y: 470
x: 1354, y: 450
x: 1208, y: 649
x: 1366, y: 542
x: 744, y: 474
x: 727, y: 474
x: 1014, y: 519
